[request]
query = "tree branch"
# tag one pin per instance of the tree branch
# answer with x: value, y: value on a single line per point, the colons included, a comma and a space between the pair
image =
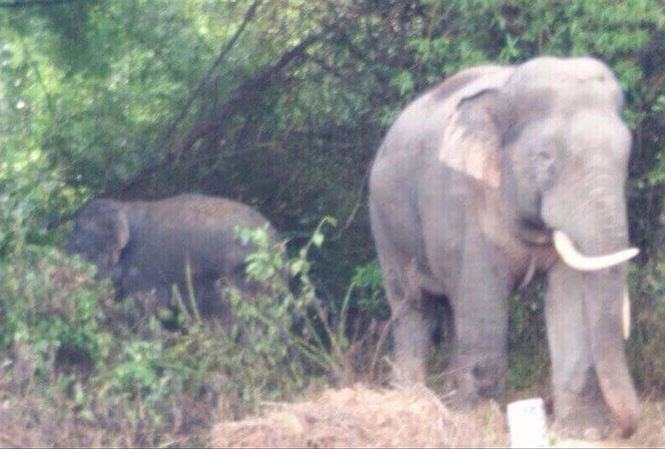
x: 38, y: 75
x: 206, y: 78
x: 337, y: 28
x: 241, y: 95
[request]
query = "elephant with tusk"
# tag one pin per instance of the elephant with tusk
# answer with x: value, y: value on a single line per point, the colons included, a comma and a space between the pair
x: 495, y: 174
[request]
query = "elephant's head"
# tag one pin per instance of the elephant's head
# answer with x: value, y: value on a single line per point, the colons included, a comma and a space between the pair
x: 564, y: 157
x: 552, y: 141
x: 99, y: 234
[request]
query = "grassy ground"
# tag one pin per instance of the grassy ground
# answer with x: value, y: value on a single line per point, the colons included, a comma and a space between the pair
x: 357, y: 416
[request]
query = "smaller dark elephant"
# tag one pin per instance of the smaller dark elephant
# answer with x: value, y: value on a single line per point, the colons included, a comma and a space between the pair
x: 152, y: 246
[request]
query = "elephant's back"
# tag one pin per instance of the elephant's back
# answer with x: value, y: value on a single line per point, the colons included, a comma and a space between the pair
x: 424, y: 119
x: 198, y: 228
x: 195, y: 211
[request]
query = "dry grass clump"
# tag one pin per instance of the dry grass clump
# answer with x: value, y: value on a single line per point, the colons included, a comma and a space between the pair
x: 363, y: 417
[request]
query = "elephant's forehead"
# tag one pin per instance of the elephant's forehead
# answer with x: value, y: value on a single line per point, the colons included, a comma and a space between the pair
x: 552, y: 71
x: 598, y: 128
x: 561, y: 87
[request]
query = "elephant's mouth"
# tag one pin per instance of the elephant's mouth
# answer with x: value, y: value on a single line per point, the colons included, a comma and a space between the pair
x: 537, y: 233
x: 534, y: 232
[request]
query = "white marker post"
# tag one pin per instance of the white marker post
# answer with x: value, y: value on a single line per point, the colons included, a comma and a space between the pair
x: 526, y: 421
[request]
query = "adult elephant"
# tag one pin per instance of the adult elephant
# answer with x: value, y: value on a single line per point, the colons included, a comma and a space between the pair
x: 494, y: 174
x: 146, y: 246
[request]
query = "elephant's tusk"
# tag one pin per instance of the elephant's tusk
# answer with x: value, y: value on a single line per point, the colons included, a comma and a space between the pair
x: 625, y: 314
x: 573, y: 258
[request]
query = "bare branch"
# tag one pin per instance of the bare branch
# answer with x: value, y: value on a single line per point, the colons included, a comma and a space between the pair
x: 241, y: 95
x: 206, y: 78
x: 359, y: 203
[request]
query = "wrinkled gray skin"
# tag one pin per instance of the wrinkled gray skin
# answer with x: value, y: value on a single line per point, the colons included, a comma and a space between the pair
x: 465, y: 192
x: 144, y: 246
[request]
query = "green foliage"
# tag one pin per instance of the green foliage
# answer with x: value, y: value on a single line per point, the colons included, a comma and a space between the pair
x: 292, y: 331
x: 646, y: 347
x: 51, y: 310
x: 527, y: 340
x: 367, y: 281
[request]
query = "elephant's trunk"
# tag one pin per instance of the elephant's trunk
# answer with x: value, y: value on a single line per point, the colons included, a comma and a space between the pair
x: 603, y: 293
x: 602, y: 234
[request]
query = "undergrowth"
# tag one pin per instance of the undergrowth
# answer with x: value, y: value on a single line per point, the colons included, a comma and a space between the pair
x: 82, y: 368
x: 79, y: 367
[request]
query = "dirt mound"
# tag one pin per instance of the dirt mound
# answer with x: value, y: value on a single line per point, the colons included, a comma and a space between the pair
x: 362, y: 417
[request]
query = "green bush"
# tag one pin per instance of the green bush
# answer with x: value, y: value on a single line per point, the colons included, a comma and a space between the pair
x: 287, y: 330
x: 646, y: 347
x: 527, y: 339
x: 51, y: 305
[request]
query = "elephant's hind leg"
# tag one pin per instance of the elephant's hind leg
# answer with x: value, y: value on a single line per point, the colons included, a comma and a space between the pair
x: 409, y: 326
x: 215, y: 302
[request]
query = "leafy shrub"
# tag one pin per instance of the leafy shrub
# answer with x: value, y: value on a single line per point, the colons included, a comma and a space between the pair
x: 646, y: 348
x: 527, y: 339
x: 287, y: 333
x: 51, y: 305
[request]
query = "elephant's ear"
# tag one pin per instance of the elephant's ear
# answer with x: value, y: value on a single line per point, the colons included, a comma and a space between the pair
x: 120, y: 233
x: 105, y: 221
x: 472, y: 135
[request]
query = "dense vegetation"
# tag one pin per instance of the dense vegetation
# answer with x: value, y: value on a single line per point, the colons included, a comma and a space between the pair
x: 280, y: 105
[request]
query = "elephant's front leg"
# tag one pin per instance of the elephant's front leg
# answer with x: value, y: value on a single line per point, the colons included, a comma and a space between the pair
x: 481, y: 325
x: 578, y: 402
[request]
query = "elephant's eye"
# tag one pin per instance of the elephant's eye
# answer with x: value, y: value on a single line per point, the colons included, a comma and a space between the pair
x: 88, y: 226
x: 544, y: 156
x: 544, y: 166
